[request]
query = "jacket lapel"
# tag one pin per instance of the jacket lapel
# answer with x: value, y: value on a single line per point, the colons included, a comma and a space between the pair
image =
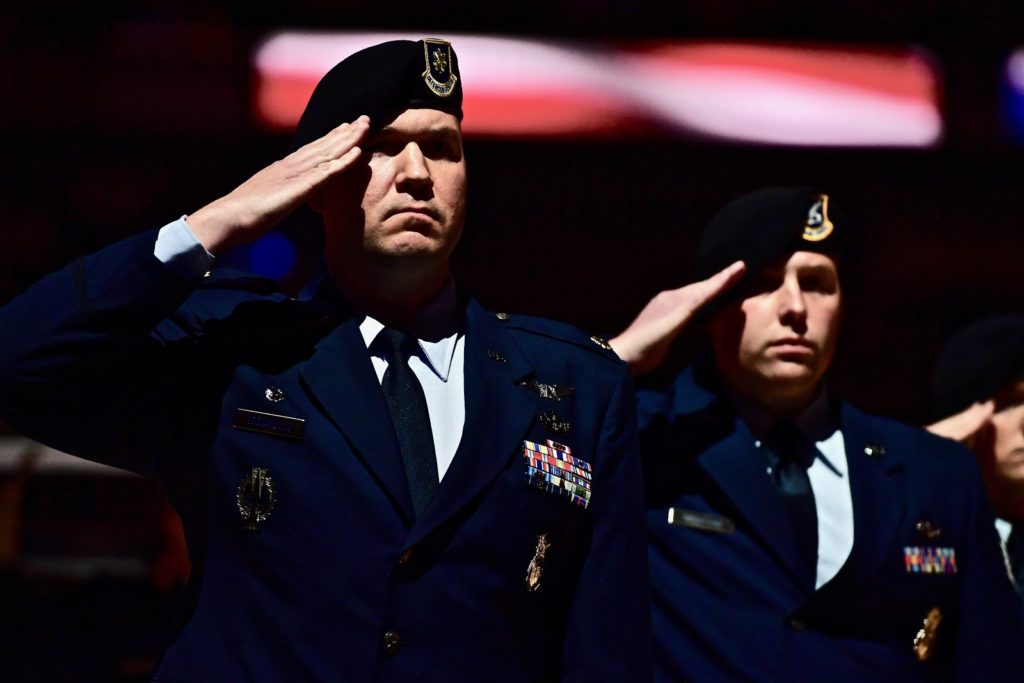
x: 876, y: 487
x: 341, y: 378
x: 739, y: 469
x: 499, y: 415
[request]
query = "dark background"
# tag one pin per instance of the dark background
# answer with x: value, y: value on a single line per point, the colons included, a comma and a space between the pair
x: 117, y: 120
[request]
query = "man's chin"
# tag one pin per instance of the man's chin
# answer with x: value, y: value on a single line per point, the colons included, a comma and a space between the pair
x: 793, y: 369
x: 791, y: 378
x: 409, y: 248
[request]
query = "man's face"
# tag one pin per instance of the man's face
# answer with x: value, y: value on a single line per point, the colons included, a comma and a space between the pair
x: 407, y: 198
x: 1008, y: 434
x: 775, y: 343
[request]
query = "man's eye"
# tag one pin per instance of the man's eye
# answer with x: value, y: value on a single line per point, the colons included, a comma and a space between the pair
x: 822, y: 285
x: 439, y: 149
x: 762, y: 284
x: 384, y: 148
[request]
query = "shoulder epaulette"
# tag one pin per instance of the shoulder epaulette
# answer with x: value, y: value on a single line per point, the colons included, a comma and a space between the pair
x: 559, y: 331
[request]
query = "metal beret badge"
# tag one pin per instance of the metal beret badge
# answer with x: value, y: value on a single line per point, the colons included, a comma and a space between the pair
x: 818, y: 225
x: 438, y: 75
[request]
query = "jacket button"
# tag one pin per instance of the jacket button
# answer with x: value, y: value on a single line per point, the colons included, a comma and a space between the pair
x: 392, y: 643
x: 406, y: 555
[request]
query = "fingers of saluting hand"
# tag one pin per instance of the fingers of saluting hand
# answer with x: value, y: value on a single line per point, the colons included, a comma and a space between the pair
x: 690, y: 298
x: 255, y: 206
x: 339, y: 144
x: 292, y: 180
x: 646, y: 341
x: 966, y: 425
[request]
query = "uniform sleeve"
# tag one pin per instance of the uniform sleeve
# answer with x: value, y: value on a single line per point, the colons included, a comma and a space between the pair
x: 79, y: 367
x: 609, y: 635
x: 990, y: 633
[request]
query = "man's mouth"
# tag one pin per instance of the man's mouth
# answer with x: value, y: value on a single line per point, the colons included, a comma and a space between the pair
x: 798, y: 344
x: 414, y: 209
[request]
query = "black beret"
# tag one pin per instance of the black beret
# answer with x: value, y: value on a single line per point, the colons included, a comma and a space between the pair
x: 382, y: 81
x: 978, y: 363
x: 760, y: 227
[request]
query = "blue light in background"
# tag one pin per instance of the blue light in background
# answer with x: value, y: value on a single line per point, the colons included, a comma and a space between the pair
x: 272, y: 256
x: 1013, y: 94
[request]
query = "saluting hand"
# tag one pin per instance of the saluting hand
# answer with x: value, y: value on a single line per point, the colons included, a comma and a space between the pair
x: 970, y: 426
x: 253, y: 208
x: 645, y: 343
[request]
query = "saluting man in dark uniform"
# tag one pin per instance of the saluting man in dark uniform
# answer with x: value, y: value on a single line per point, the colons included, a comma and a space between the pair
x: 979, y: 396
x: 384, y: 482
x: 793, y: 537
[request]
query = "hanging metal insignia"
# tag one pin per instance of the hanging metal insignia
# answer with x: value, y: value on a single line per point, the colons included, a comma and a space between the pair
x: 255, y: 497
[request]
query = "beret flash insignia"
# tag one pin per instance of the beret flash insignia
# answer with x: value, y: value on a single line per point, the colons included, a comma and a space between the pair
x: 818, y: 225
x: 439, y: 77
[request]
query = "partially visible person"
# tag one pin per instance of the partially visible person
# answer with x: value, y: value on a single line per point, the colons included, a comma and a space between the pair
x: 979, y: 397
x: 794, y: 537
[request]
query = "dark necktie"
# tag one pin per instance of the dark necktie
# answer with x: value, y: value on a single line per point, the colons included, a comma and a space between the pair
x: 790, y: 455
x: 408, y: 407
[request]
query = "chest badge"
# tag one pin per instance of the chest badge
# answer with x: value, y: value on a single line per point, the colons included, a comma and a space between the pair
x: 255, y: 498
x: 535, y: 570
x: 555, y: 423
x: 924, y: 641
x: 552, y: 392
x: 705, y: 521
x: 553, y: 468
x: 928, y: 530
x: 269, y: 423
x: 929, y: 560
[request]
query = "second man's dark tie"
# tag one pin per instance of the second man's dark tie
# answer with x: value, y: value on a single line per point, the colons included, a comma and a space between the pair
x: 793, y: 454
x: 408, y: 407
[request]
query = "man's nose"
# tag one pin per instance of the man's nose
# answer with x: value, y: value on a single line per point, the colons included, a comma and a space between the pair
x: 792, y: 306
x: 412, y: 167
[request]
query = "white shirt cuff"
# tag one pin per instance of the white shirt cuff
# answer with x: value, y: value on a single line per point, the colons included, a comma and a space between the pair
x: 178, y: 248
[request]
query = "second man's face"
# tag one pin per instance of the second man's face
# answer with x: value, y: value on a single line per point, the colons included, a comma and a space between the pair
x: 407, y: 198
x: 775, y: 343
x: 1008, y: 435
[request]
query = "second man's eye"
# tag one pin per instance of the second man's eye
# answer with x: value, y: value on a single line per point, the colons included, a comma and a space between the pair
x: 818, y: 283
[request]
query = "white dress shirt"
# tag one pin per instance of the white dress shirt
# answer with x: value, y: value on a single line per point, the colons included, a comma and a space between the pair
x: 438, y: 363
x: 828, y: 474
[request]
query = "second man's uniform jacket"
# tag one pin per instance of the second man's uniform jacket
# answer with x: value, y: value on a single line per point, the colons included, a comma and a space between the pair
x: 264, y: 419
x: 732, y: 601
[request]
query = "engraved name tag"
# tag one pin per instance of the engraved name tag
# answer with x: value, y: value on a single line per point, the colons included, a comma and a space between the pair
x: 705, y: 521
x: 269, y: 423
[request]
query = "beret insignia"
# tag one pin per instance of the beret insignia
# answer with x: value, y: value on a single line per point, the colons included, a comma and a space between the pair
x: 439, y: 77
x: 818, y: 225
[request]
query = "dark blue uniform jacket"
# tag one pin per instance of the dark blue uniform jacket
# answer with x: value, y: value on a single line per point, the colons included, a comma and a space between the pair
x: 118, y: 360
x: 737, y: 606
